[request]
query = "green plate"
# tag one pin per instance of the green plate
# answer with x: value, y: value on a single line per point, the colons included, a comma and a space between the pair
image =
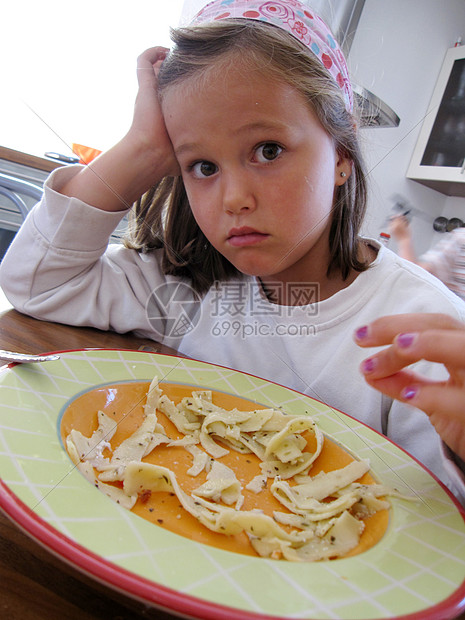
x: 417, y: 570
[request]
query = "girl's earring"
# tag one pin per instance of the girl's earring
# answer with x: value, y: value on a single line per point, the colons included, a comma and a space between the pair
x: 343, y: 175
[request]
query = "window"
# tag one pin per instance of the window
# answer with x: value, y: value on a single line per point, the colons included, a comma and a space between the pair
x: 68, y: 69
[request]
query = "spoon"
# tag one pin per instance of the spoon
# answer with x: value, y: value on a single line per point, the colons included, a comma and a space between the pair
x: 25, y: 358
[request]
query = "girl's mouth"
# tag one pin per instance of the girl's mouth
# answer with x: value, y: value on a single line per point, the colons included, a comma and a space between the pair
x: 240, y: 237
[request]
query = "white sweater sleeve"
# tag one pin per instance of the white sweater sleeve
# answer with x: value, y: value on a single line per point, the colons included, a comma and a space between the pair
x: 60, y: 267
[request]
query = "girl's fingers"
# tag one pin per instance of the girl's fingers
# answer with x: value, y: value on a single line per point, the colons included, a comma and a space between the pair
x: 148, y: 62
x: 384, y: 330
x: 414, y: 337
x: 151, y: 55
x: 396, y: 385
x: 443, y: 403
x: 443, y: 346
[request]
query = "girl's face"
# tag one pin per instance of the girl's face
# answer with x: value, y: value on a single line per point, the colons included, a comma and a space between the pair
x: 259, y: 170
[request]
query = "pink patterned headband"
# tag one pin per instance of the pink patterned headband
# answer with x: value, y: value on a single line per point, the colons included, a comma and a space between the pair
x: 295, y: 18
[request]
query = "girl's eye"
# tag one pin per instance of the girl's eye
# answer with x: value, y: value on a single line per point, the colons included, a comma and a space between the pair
x: 203, y: 169
x: 268, y: 152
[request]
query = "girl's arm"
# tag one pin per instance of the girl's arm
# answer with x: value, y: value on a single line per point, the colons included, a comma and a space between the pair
x: 412, y: 337
x: 58, y: 267
x: 118, y: 177
x: 399, y: 228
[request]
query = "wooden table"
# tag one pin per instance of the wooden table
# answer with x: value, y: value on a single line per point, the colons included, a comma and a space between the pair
x: 35, y: 585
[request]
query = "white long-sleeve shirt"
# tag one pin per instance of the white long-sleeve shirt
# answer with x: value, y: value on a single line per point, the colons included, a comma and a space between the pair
x: 60, y: 268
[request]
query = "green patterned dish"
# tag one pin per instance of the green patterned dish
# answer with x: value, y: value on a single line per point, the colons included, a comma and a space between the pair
x: 417, y: 570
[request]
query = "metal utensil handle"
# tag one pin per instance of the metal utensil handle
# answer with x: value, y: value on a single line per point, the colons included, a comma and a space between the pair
x: 13, y: 356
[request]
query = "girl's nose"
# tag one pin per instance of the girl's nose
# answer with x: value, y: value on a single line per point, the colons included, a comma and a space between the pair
x: 238, y: 194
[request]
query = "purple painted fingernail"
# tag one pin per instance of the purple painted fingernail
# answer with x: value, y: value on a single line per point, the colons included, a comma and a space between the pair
x: 409, y: 392
x: 361, y: 332
x: 368, y: 365
x: 405, y: 340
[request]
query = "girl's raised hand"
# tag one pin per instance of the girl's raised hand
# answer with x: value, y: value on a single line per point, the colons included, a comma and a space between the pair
x: 119, y: 176
x: 413, y: 337
x: 148, y: 127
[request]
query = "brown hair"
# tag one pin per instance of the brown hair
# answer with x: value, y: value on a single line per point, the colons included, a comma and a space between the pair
x: 162, y: 218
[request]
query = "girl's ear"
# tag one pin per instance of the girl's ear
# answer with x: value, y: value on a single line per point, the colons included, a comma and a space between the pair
x: 343, y: 170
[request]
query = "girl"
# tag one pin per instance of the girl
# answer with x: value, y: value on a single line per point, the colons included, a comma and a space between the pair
x: 245, y: 248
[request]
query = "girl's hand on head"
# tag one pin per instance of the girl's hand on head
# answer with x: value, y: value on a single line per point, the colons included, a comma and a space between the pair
x: 148, y: 128
x: 118, y: 177
x: 413, y: 337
